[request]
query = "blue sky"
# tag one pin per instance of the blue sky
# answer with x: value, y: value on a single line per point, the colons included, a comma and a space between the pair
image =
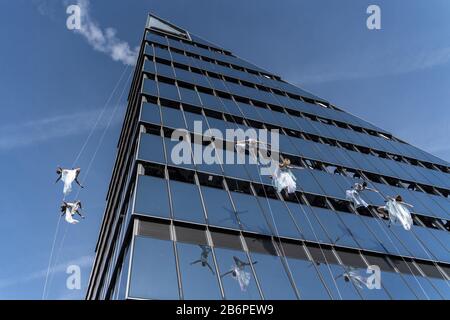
x: 54, y: 86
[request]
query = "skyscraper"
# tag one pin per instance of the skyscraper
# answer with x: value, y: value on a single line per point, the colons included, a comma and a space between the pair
x: 220, y: 230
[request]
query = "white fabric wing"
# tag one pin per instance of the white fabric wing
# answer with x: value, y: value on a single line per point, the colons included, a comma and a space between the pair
x: 399, y: 214
x: 68, y: 176
x: 243, y: 278
x: 69, y: 216
x: 354, y: 196
x: 357, y: 279
x: 284, y: 179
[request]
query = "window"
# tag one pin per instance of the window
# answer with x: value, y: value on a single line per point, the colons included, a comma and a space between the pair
x: 279, y: 217
x: 249, y: 213
x: 310, y: 228
x: 218, y: 208
x: 304, y: 272
x: 172, y: 118
x: 164, y: 70
x: 270, y: 271
x: 337, y: 231
x: 189, y: 96
x: 339, y: 288
x: 186, y: 202
x: 361, y: 234
x: 150, y: 113
x: 151, y: 148
x: 153, y: 272
x: 168, y: 91
x: 185, y: 153
x: 198, y: 272
x: 152, y: 197
x: 149, y: 87
x: 226, y: 260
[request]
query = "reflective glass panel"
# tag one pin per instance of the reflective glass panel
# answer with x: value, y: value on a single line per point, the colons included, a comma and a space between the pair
x: 153, y: 271
x: 219, y: 209
x: 152, y: 197
x: 233, y: 290
x: 198, y: 273
x: 186, y: 202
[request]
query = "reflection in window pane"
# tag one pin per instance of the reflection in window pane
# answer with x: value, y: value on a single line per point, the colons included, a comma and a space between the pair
x: 249, y: 213
x: 219, y: 209
x: 226, y: 263
x: 339, y: 287
x: 198, y: 274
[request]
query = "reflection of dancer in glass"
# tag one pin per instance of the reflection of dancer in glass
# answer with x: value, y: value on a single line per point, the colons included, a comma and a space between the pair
x: 232, y: 216
x: 352, y: 275
x: 206, y: 250
x: 398, y: 212
x: 68, y: 176
x: 353, y: 195
x: 238, y: 273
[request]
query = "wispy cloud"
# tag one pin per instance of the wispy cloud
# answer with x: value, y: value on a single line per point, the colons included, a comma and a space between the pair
x: 82, y: 262
x: 41, y: 130
x: 371, y: 63
x: 104, y: 40
x: 45, y: 8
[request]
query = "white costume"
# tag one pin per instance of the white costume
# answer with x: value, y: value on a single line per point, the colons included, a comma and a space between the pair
x: 242, y: 277
x: 238, y: 273
x: 68, y: 177
x: 69, y: 210
x: 353, y: 196
x: 399, y: 214
x: 284, y: 179
x: 353, y: 276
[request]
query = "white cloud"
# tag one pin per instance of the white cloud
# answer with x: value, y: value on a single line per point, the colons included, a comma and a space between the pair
x: 106, y: 40
x: 82, y: 262
x: 30, y: 132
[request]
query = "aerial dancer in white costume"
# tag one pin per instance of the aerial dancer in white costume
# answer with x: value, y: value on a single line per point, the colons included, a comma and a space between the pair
x: 283, y: 178
x: 68, y: 176
x: 69, y: 209
x: 398, y: 212
x: 354, y: 194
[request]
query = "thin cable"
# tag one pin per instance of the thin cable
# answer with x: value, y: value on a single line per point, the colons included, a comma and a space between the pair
x: 99, y: 144
x: 73, y: 164
x: 99, y: 117
x: 50, y: 259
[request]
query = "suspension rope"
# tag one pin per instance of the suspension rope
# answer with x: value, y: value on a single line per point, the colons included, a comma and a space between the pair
x: 99, y: 117
x: 104, y: 108
x: 51, y: 256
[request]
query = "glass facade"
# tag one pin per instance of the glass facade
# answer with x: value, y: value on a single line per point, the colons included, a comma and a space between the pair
x: 196, y: 230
